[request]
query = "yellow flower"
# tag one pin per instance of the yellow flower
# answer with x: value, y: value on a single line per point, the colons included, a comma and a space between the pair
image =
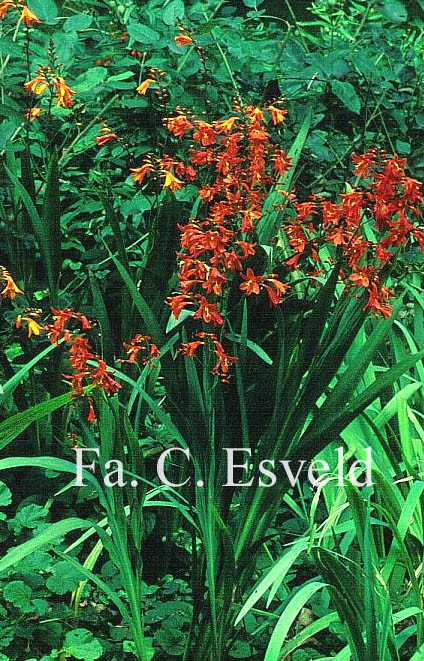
x: 11, y: 288
x: 64, y: 93
x: 5, y: 5
x: 33, y: 327
x: 33, y: 113
x: 28, y: 17
x: 277, y: 114
x: 142, y: 89
x: 183, y: 39
x: 225, y: 125
x: 37, y: 85
x: 139, y: 173
x: 172, y: 182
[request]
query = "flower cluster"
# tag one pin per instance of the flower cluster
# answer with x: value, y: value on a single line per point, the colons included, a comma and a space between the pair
x: 47, y: 79
x: 106, y: 135
x: 389, y: 201
x: 143, y: 345
x: 11, y: 289
x: 235, y: 164
x: 215, y: 250
x: 26, y: 15
x: 224, y: 361
x: 80, y: 353
x: 166, y: 168
x: 67, y: 326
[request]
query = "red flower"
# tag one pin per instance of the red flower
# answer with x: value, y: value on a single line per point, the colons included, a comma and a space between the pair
x: 252, y: 282
x: 183, y: 40
x: 208, y: 312
x: 189, y: 348
x: 101, y: 378
x: 91, y: 418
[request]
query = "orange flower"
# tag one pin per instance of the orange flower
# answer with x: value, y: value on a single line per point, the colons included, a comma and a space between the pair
x: 208, y: 312
x: 28, y: 17
x: 144, y: 86
x: 363, y: 163
x: 102, y: 378
x: 140, y: 173
x: 188, y: 348
x: 33, y: 327
x: 61, y: 318
x: 178, y: 126
x: 277, y: 114
x: 282, y: 162
x: 225, y: 125
x: 80, y: 352
x: 37, y: 85
x: 251, y: 282
x: 91, y: 418
x: 172, y: 182
x: 361, y: 277
x: 11, y: 288
x: 275, y: 295
x: 64, y: 93
x: 103, y: 139
x: 178, y: 303
x: 224, y: 362
x: 141, y: 343
x: 183, y: 39
x: 5, y: 5
x: 106, y: 136
x: 204, y: 133
x: 33, y: 113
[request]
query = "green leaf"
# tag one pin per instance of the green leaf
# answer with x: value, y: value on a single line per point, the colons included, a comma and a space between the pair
x: 19, y: 594
x: 252, y: 346
x: 419, y: 654
x: 172, y: 641
x: 287, y: 617
x: 142, y: 33
x: 65, y: 578
x: 241, y: 649
x: 146, y: 313
x: 81, y: 644
x: 12, y: 427
x: 270, y: 217
x: 38, y: 226
x: 347, y: 95
x: 48, y: 537
x: 77, y: 22
x: 172, y: 322
x: 129, y: 647
x: 394, y: 11
x: 9, y: 47
x: 89, y: 79
x: 28, y: 517
x: 276, y: 575
x: 113, y: 220
x: 46, y: 10
x: 173, y: 10
x: 103, y: 319
x: 5, y: 495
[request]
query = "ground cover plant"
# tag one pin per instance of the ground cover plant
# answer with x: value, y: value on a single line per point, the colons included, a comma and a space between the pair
x: 212, y: 257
